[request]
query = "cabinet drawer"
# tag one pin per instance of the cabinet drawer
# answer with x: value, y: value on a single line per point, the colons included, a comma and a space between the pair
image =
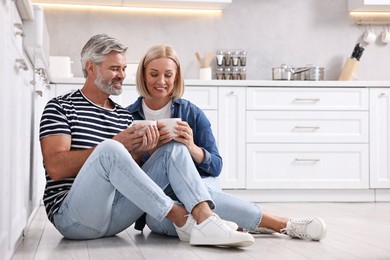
x: 307, y: 166
x: 307, y: 126
x: 203, y: 97
x: 307, y: 99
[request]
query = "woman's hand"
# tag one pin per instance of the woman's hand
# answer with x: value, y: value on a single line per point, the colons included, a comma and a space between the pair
x: 185, y: 136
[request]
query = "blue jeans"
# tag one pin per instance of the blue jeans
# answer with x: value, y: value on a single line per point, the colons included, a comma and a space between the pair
x: 111, y: 191
x: 246, y: 214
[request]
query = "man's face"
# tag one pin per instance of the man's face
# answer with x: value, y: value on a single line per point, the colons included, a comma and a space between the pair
x: 110, y: 73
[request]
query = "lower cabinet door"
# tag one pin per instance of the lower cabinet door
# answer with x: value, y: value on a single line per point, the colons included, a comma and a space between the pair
x: 307, y: 166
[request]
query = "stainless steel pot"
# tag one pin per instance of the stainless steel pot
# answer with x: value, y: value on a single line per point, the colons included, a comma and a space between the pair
x: 312, y: 73
x: 282, y: 73
x: 315, y: 73
x: 287, y: 73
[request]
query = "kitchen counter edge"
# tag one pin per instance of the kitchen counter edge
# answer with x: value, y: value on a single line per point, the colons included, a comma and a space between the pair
x: 253, y: 83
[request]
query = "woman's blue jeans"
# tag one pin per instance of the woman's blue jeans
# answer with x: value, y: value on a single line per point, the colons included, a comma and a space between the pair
x: 111, y: 191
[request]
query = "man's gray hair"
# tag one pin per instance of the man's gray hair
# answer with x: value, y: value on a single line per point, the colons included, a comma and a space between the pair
x: 97, y: 48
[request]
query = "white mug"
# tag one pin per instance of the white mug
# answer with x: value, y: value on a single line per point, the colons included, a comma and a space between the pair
x: 369, y: 36
x: 171, y: 123
x: 144, y: 122
x: 385, y: 36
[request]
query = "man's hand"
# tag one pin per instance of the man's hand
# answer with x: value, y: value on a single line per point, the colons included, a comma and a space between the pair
x: 137, y: 139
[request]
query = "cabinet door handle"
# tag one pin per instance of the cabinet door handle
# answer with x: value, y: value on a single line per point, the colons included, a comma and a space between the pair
x: 313, y: 160
x: 19, y: 29
x: 306, y: 100
x: 298, y: 127
x: 21, y: 64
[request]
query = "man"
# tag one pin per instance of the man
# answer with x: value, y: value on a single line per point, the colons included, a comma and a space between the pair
x: 95, y: 187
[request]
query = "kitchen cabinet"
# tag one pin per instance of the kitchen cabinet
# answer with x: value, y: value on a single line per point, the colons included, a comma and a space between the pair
x: 231, y: 136
x: 369, y: 5
x: 203, y: 4
x: 17, y: 189
x: 306, y: 138
x: 379, y: 138
x: 5, y: 202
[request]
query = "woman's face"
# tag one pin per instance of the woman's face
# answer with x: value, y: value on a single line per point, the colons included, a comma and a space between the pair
x: 160, y: 77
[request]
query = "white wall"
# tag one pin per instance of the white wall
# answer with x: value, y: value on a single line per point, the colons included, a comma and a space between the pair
x: 273, y: 32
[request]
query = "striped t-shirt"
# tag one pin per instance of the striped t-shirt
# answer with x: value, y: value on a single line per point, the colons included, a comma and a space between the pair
x: 88, y: 124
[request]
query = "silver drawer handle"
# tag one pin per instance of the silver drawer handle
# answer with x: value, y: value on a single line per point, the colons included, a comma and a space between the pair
x: 307, y: 127
x: 306, y: 160
x: 21, y: 64
x: 19, y: 28
x: 306, y: 100
x: 39, y: 93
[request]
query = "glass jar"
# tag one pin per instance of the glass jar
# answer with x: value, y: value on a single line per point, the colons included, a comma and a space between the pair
x: 236, y: 74
x: 243, y: 58
x: 219, y: 57
x: 243, y: 73
x: 227, y: 57
x: 227, y: 73
x: 219, y: 73
x: 235, y: 58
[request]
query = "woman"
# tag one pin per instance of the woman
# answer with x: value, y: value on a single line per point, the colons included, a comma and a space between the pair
x: 160, y: 84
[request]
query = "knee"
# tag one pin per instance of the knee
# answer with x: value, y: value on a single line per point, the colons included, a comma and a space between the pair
x: 175, y: 146
x: 110, y: 145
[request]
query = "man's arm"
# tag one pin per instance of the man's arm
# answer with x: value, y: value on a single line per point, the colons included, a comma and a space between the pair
x: 60, y: 161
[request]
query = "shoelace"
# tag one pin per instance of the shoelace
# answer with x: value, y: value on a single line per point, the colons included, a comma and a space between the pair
x: 298, y: 228
x: 217, y: 220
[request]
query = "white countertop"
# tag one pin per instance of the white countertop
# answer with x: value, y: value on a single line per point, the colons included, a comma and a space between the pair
x: 254, y: 83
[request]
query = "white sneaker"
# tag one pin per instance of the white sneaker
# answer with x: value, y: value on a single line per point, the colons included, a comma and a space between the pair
x: 184, y: 232
x: 306, y: 228
x: 214, y: 231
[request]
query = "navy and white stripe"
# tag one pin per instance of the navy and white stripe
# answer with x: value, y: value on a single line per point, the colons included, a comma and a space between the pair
x: 88, y: 125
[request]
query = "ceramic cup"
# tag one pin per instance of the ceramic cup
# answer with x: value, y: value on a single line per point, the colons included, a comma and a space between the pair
x: 146, y: 123
x: 385, y: 36
x: 171, y: 123
x: 369, y: 36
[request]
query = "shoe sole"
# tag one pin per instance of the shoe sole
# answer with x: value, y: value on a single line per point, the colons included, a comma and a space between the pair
x: 222, y: 242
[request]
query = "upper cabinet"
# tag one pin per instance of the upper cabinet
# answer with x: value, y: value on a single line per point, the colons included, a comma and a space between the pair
x: 188, y: 4
x: 370, y: 12
x: 369, y: 5
x: 177, y: 4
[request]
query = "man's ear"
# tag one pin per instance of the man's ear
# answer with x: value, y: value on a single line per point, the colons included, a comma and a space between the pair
x: 90, y: 67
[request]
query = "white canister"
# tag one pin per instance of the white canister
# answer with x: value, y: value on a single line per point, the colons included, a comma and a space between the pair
x: 205, y: 73
x: 60, y: 67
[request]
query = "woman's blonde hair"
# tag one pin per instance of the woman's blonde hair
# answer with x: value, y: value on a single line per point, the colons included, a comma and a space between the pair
x: 156, y: 52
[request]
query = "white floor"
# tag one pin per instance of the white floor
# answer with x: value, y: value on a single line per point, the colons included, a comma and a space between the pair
x: 355, y: 231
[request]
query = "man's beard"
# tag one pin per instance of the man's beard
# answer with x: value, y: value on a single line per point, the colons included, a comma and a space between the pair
x: 106, y: 86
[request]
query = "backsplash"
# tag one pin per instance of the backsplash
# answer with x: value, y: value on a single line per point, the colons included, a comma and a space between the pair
x: 299, y: 32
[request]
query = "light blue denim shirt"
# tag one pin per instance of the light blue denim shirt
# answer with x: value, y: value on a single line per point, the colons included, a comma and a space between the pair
x: 201, y: 128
